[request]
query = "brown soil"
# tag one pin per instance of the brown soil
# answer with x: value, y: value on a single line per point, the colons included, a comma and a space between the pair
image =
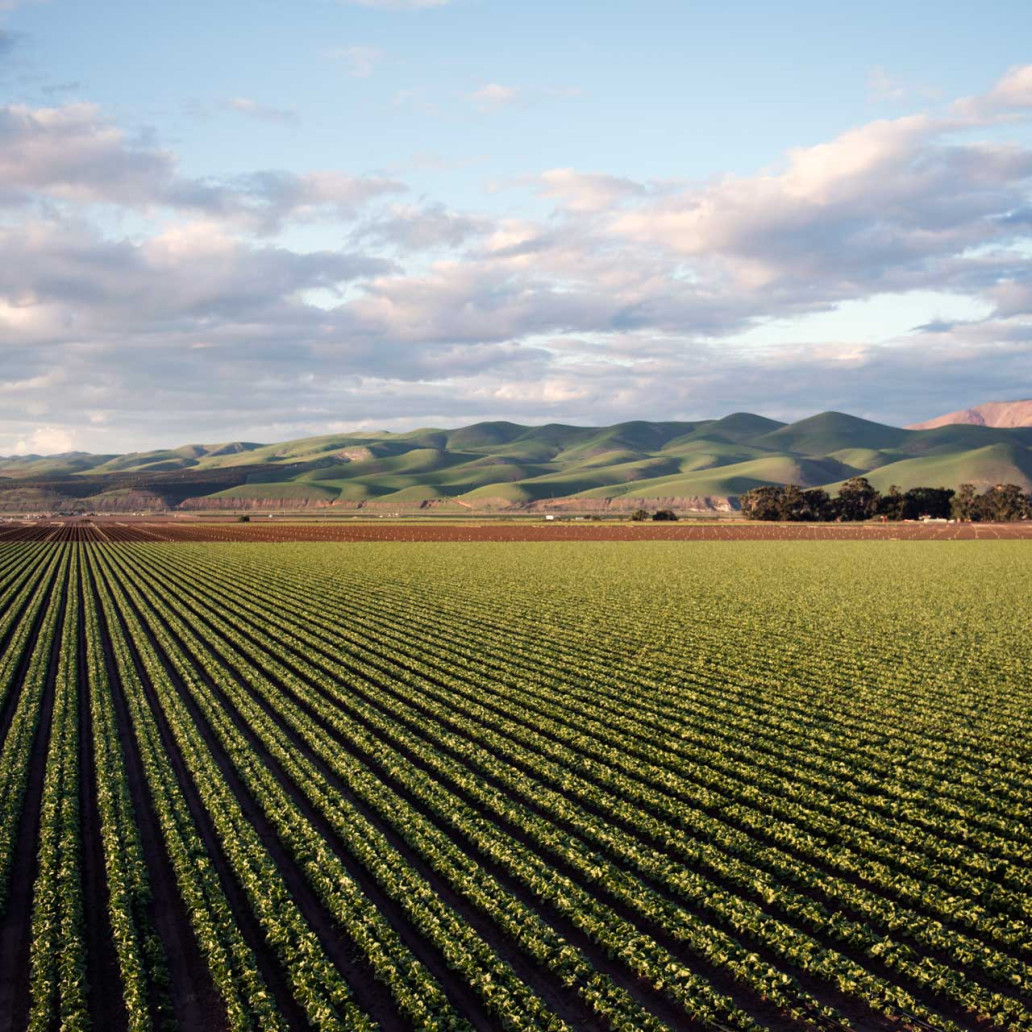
x: 283, y: 530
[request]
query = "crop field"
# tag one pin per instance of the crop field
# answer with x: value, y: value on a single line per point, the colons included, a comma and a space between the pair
x: 648, y: 785
x: 115, y: 530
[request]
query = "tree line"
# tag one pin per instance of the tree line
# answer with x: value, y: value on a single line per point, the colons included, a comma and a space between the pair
x: 858, y: 499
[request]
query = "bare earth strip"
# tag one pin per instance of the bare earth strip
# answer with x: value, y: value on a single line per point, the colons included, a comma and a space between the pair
x: 278, y: 531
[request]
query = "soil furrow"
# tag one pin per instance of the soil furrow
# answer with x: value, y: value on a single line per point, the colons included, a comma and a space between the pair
x: 106, y: 999
x: 823, y: 991
x: 16, y: 923
x: 569, y: 1007
x: 642, y: 993
x: 10, y: 703
x: 194, y: 1000
x: 341, y: 951
x: 254, y: 936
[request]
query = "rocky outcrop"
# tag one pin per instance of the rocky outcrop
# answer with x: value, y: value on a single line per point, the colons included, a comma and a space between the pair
x: 556, y: 505
x: 1003, y: 414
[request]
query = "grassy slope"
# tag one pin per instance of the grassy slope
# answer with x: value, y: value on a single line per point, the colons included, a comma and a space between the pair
x: 501, y: 462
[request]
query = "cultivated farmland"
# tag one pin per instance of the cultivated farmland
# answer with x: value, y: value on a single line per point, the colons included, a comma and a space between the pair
x: 562, y: 785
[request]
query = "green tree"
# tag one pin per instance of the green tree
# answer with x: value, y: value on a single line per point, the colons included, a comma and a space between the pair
x: 891, y: 504
x: 927, y: 501
x: 665, y: 514
x: 858, y: 499
x: 1003, y: 503
x: 819, y: 506
x: 965, y: 503
x: 792, y: 504
x: 762, y: 503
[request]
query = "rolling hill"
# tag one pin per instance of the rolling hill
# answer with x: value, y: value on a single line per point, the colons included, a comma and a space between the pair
x: 505, y: 466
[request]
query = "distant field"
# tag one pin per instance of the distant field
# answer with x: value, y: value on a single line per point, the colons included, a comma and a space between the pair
x: 113, y: 530
x: 736, y: 785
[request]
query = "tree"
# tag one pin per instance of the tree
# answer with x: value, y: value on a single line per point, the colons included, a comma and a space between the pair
x: 665, y: 514
x: 818, y: 505
x: 933, y: 502
x: 891, y: 504
x: 762, y: 503
x: 639, y: 515
x: 1003, y: 503
x: 858, y: 500
x: 965, y: 503
x: 799, y: 506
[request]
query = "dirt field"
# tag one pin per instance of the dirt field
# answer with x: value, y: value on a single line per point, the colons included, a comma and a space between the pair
x: 141, y: 530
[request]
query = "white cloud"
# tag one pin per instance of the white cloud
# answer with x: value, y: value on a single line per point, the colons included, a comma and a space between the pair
x: 627, y: 299
x: 74, y: 154
x: 1013, y: 91
x: 415, y: 228
x: 46, y: 440
x: 361, y: 61
x: 581, y: 191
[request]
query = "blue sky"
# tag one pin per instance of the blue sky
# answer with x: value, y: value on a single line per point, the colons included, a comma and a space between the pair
x: 264, y: 220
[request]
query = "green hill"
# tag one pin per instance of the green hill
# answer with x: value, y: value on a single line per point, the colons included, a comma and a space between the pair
x: 705, y: 464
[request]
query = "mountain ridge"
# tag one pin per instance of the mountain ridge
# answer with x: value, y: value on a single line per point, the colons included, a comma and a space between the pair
x: 997, y: 414
x: 502, y: 466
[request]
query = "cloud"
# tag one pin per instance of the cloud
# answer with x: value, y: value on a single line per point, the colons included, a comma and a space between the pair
x: 889, y: 205
x: 1012, y: 92
x: 361, y: 61
x: 414, y: 228
x: 262, y: 112
x: 269, y: 198
x: 625, y: 299
x: 579, y: 191
x: 46, y: 440
x: 63, y: 282
x: 493, y: 96
x: 73, y: 154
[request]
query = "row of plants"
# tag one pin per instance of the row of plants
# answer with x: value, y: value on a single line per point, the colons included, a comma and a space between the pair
x: 142, y: 965
x: 17, y: 754
x: 324, y: 995
x: 720, y: 816
x: 715, y: 798
x: 245, y: 997
x: 440, y: 852
x: 509, y: 1000
x: 1004, y: 960
x: 57, y: 955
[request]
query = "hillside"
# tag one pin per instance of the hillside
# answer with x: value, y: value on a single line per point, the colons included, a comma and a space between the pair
x: 1001, y: 414
x: 505, y: 466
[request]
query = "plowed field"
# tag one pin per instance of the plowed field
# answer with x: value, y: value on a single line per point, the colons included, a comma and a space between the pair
x: 562, y: 786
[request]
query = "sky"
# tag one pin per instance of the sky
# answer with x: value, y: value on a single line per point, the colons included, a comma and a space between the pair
x: 260, y: 221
